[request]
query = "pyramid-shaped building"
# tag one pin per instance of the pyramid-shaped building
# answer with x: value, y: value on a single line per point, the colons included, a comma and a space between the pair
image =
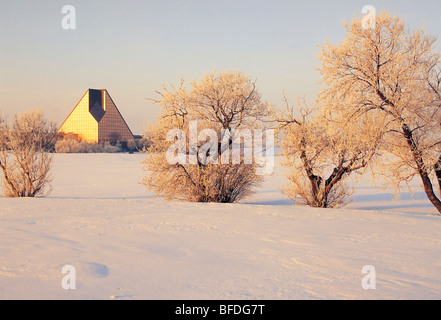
x: 96, y: 119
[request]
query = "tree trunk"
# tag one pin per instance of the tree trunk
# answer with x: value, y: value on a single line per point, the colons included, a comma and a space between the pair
x: 422, y: 171
x: 438, y: 172
x: 315, y: 180
x: 417, y: 157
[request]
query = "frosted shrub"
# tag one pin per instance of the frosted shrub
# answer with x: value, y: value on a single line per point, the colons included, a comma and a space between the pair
x: 24, y: 160
x: 67, y: 146
x: 225, y: 101
x: 131, y: 146
x: 108, y: 148
x: 143, y: 144
x: 322, y: 150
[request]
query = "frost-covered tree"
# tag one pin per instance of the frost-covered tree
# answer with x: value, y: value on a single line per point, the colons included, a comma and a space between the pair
x: 222, y: 103
x: 322, y: 150
x: 24, y: 158
x: 394, y: 74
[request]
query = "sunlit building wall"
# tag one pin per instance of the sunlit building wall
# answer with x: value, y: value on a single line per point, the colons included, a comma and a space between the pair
x: 81, y: 122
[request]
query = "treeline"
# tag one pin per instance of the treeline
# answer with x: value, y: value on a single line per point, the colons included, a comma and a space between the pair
x: 75, y: 146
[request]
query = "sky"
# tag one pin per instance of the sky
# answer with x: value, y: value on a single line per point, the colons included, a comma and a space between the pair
x: 131, y: 48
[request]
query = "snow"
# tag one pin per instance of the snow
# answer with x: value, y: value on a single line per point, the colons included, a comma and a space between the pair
x: 126, y: 244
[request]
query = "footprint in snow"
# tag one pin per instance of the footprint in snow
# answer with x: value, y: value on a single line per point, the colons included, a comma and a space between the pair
x: 93, y: 269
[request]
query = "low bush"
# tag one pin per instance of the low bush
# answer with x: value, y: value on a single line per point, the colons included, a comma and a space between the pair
x: 75, y: 146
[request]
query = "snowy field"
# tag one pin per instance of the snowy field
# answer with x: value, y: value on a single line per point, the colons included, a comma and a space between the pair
x: 126, y: 244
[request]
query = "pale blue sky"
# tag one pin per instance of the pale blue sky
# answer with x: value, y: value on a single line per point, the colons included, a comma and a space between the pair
x: 132, y: 47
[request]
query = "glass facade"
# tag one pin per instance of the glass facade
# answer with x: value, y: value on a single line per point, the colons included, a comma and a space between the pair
x: 81, y: 122
x: 112, y: 126
x: 96, y: 119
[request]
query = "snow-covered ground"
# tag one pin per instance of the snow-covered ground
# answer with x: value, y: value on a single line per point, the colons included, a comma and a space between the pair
x: 126, y: 244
